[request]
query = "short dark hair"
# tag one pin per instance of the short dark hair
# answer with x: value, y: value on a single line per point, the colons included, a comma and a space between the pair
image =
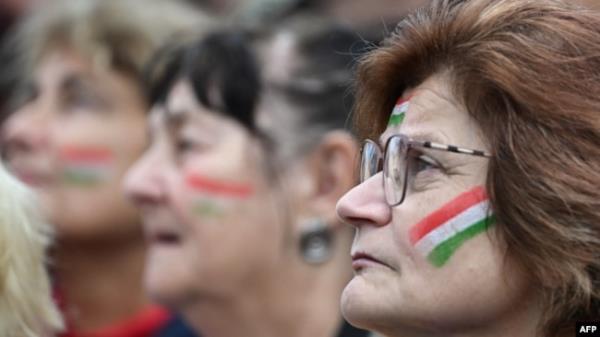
x: 225, y: 62
x: 220, y: 62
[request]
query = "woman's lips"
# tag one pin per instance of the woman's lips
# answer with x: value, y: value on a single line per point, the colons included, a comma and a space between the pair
x: 361, y: 260
x: 161, y: 234
x: 166, y: 238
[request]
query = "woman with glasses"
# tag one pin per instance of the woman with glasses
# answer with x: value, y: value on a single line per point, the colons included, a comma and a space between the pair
x: 237, y: 190
x: 478, y: 208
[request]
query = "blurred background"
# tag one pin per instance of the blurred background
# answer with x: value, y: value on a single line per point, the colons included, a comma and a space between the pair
x: 371, y: 19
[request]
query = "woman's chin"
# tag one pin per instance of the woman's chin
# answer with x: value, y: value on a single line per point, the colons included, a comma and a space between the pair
x: 355, y: 303
x: 165, y: 287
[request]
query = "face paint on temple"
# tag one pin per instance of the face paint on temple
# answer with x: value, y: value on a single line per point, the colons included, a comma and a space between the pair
x: 444, y: 231
x: 85, y: 166
x: 399, y: 112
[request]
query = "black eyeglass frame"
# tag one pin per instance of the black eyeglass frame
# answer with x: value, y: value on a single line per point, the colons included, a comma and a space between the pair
x: 382, y: 158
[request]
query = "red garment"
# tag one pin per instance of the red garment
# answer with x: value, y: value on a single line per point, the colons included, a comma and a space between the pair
x: 145, y: 324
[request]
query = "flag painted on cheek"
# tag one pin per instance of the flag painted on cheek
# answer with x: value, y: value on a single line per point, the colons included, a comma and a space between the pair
x: 399, y: 112
x: 212, y: 192
x: 218, y: 188
x: 207, y: 208
x: 444, y: 231
x: 85, y: 165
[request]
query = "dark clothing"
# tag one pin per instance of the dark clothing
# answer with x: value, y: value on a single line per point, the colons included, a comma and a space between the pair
x: 176, y: 327
x: 348, y: 330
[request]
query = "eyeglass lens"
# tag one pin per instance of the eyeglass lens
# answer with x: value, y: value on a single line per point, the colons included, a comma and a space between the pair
x: 370, y: 160
x: 394, y: 170
x: 394, y: 167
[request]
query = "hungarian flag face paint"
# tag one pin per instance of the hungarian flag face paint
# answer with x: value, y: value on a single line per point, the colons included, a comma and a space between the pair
x: 444, y: 231
x: 212, y: 192
x: 206, y: 207
x: 399, y: 112
x: 85, y: 165
x: 218, y: 188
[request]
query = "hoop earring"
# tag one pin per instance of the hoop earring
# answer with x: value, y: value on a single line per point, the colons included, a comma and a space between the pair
x: 316, y: 241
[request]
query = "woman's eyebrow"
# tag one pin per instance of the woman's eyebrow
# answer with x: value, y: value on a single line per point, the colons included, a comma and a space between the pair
x: 76, y: 82
x: 174, y: 118
x: 428, y: 136
x: 421, y: 136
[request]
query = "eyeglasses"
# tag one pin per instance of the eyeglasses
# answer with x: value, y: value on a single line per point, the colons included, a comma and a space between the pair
x: 399, y: 163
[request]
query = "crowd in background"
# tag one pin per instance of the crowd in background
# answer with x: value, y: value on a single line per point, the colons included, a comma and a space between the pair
x: 79, y: 80
x: 179, y: 163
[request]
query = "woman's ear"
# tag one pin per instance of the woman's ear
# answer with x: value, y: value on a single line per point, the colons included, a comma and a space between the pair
x: 323, y: 176
x: 331, y: 166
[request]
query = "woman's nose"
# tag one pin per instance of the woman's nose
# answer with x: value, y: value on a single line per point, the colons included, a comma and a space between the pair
x: 144, y: 181
x: 26, y: 130
x: 365, y: 204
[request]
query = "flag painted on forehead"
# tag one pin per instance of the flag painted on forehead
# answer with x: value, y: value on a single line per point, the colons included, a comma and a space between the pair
x: 399, y: 112
x: 439, y: 235
x: 218, y: 188
x: 85, y: 165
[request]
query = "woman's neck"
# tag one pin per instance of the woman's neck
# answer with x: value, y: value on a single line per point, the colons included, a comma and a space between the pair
x: 299, y: 301
x: 100, y: 285
x: 522, y: 320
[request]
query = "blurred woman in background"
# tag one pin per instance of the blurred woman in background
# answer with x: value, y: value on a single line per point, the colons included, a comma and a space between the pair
x: 26, y: 305
x: 478, y: 212
x: 237, y: 190
x: 80, y: 123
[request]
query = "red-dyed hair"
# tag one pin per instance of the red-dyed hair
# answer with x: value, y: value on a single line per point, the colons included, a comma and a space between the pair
x: 528, y: 71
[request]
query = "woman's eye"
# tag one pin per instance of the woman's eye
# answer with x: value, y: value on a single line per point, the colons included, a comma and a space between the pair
x: 184, y: 145
x: 424, y: 162
x: 84, y: 100
x: 423, y: 171
x: 187, y: 144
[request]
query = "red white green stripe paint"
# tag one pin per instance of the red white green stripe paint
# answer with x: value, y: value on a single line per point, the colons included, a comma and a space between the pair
x: 207, y: 207
x: 444, y: 231
x: 218, y: 188
x: 399, y: 112
x: 85, y: 165
x: 211, y: 193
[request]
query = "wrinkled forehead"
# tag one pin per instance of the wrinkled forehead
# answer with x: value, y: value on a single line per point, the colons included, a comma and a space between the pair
x: 435, y: 114
x: 58, y: 64
x: 180, y: 97
x: 431, y: 101
x: 175, y: 110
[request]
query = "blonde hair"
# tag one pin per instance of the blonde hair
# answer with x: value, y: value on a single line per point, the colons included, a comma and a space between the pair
x: 26, y: 305
x: 121, y: 34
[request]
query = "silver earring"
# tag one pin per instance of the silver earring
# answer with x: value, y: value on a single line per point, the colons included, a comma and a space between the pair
x: 315, y: 242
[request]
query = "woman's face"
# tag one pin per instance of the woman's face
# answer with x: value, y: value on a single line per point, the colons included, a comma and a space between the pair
x: 209, y: 214
x: 424, y: 264
x: 79, y: 129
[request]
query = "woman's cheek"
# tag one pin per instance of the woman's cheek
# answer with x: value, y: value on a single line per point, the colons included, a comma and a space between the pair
x: 211, y: 198
x: 440, y: 234
x: 86, y: 165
